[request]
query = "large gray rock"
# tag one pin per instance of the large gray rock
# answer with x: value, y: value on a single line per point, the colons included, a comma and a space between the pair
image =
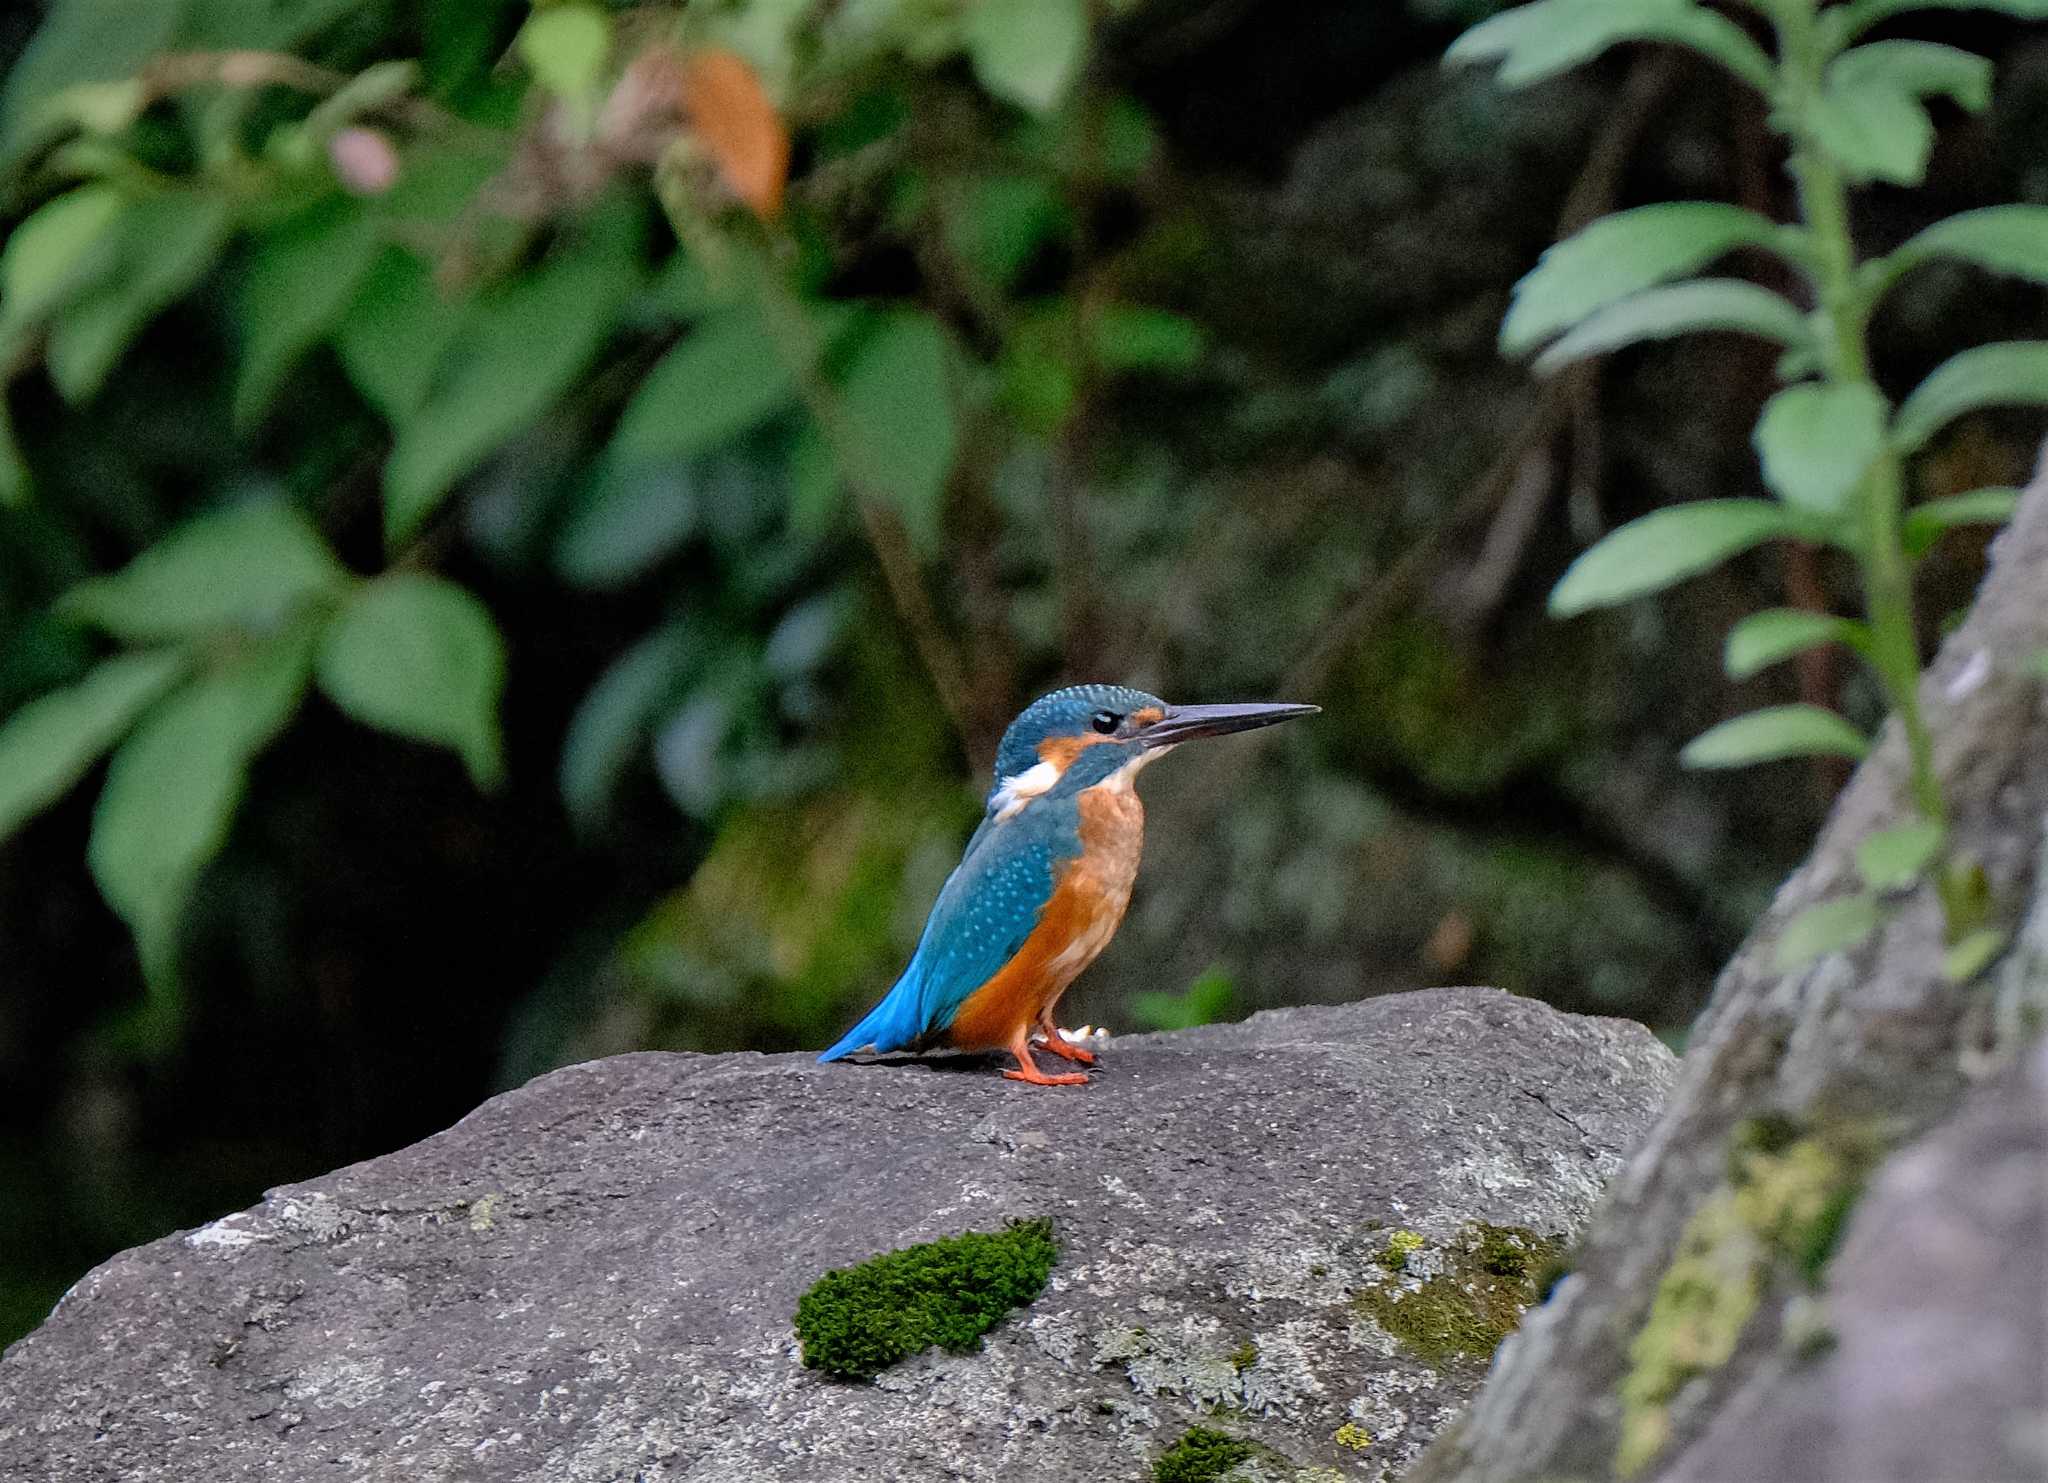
x: 592, y: 1278
x: 1929, y: 1344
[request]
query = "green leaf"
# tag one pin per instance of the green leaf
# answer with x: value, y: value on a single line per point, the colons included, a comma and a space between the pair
x: 250, y: 567
x: 616, y: 720
x: 1766, y: 638
x: 396, y: 334
x: 520, y: 349
x: 173, y: 787
x: 2012, y: 373
x: 271, y: 25
x: 1130, y: 337
x: 900, y: 410
x: 1537, y: 41
x: 1003, y: 222
x: 1869, y: 115
x: 1652, y: 553
x: 1774, y: 733
x: 1919, y: 69
x: 722, y: 379
x: 14, y: 475
x: 420, y: 657
x: 1678, y: 309
x: 85, y: 41
x: 1831, y: 927
x: 1975, y: 953
x: 66, y: 246
x: 1027, y: 51
x: 47, y: 745
x: 815, y: 488
x: 164, y: 245
x: 1621, y: 255
x: 459, y: 41
x: 629, y: 520
x: 2003, y: 239
x: 565, y: 47
x: 1851, y: 21
x: 1892, y: 859
x: 1926, y: 524
x: 1817, y: 440
x: 300, y: 282
x: 1874, y: 132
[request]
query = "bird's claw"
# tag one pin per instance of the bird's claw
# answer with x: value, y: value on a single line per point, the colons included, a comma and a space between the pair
x: 1066, y: 1050
x: 1038, y: 1078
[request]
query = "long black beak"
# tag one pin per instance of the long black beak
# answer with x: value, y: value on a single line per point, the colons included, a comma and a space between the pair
x: 1192, y: 722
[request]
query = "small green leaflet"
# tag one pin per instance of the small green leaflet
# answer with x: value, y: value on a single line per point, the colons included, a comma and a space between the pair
x: 1817, y: 440
x: 249, y: 567
x: 1678, y: 309
x: 174, y: 785
x: 420, y: 657
x: 1926, y: 524
x: 1621, y: 255
x: 1892, y: 859
x: 1776, y: 634
x: 1027, y: 51
x: 1831, y: 927
x: 2009, y: 374
x: 1774, y: 733
x: 1664, y: 547
x: 47, y: 745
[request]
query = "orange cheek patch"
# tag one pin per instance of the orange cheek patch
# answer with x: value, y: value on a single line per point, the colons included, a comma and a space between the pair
x: 1147, y: 715
x: 1061, y: 751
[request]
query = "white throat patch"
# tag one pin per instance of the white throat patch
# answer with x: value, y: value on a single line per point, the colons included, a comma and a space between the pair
x: 1015, y: 792
x: 1126, y: 777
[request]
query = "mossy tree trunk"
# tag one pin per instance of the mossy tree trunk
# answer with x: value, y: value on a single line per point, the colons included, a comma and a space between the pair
x: 1796, y: 1085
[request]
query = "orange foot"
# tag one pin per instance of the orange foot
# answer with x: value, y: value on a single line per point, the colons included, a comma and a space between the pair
x: 1027, y: 1069
x: 1064, y: 1048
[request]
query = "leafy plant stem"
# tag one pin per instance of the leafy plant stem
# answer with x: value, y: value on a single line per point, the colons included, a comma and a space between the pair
x: 796, y: 342
x: 1845, y: 305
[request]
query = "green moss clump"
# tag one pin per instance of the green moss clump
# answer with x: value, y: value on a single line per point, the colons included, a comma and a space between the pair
x: 1488, y: 1282
x: 1202, y: 1455
x: 859, y: 1321
x: 1244, y: 1356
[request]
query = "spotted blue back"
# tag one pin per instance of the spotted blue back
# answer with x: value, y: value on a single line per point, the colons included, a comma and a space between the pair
x: 985, y: 911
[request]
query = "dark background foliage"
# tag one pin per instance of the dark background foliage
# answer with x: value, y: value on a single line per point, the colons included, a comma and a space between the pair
x: 736, y: 772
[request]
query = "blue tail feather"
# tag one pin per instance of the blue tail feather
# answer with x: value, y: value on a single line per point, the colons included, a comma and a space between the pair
x: 890, y: 1025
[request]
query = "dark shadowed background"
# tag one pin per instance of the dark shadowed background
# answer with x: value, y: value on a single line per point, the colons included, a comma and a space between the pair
x: 1172, y: 364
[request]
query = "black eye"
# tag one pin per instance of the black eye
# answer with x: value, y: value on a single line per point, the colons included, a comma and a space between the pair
x: 1105, y: 721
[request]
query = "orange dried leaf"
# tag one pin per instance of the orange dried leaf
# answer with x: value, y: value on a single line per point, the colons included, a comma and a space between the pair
x: 738, y: 127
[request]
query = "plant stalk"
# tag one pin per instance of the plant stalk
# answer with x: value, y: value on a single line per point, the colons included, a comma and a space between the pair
x: 1844, y: 307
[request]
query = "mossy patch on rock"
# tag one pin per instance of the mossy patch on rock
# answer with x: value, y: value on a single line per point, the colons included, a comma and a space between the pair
x: 1486, y: 1281
x: 1400, y: 1246
x: 1785, y: 1202
x: 1202, y: 1455
x: 859, y: 1321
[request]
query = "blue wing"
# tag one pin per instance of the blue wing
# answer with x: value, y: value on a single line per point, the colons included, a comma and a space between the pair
x: 986, y: 909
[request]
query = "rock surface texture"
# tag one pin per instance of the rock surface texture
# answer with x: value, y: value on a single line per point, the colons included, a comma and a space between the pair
x: 592, y: 1278
x: 1709, y: 1272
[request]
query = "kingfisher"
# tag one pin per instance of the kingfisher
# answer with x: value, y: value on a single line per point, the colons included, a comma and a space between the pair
x: 1045, y: 879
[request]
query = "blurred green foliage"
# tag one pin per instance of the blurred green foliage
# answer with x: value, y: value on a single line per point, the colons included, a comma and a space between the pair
x: 1853, y: 112
x: 703, y: 426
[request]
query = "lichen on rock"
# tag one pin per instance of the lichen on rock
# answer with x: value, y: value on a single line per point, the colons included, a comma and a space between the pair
x: 1468, y: 1296
x: 1783, y: 1206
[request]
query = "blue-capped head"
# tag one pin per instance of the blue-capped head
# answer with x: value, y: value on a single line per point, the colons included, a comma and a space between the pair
x: 1099, y: 729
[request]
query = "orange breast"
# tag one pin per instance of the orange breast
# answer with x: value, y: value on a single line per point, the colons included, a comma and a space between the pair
x: 1086, y: 908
